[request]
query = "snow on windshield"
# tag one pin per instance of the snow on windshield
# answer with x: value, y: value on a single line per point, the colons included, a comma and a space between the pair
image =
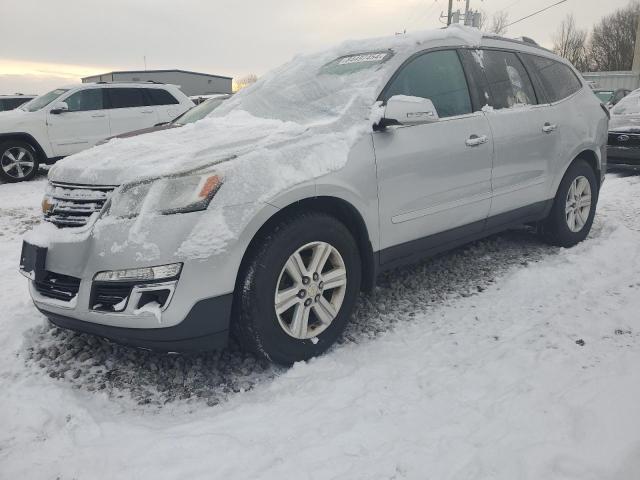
x: 317, y: 89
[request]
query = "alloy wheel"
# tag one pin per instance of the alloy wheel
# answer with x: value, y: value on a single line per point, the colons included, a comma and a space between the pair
x: 578, y: 204
x: 310, y: 290
x: 17, y: 162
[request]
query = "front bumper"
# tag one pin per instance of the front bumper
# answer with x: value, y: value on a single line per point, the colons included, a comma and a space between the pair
x: 197, y: 332
x: 617, y: 156
x: 197, y: 317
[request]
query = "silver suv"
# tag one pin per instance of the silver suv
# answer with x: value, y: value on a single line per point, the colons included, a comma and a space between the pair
x: 267, y: 218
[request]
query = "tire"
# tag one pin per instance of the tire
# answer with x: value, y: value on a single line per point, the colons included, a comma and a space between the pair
x: 561, y: 227
x: 18, y: 161
x: 270, y: 270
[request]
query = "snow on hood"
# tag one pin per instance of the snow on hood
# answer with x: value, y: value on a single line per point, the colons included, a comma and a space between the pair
x: 295, y: 104
x: 625, y: 123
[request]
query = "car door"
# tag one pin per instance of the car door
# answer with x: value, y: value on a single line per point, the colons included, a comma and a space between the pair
x: 130, y: 109
x: 566, y: 123
x: 524, y: 135
x: 435, y: 177
x: 82, y: 126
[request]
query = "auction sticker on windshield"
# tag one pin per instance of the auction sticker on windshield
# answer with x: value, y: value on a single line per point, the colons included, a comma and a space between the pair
x: 355, y: 62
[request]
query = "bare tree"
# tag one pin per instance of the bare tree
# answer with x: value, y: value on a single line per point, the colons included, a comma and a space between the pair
x: 499, y: 23
x: 570, y: 42
x: 245, y: 81
x: 613, y: 39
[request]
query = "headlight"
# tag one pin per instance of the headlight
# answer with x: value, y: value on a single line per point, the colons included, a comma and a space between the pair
x: 166, y: 195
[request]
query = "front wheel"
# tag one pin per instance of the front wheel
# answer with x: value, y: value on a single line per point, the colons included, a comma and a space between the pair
x: 574, y: 206
x: 18, y: 161
x: 298, y: 289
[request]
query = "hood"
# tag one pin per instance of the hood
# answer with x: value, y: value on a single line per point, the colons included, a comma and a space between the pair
x: 142, y: 131
x: 10, y: 119
x: 296, y: 123
x: 625, y: 123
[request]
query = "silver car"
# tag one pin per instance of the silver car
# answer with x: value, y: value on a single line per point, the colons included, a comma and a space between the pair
x: 266, y: 219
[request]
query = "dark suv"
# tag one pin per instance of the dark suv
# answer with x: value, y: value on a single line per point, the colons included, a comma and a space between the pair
x: 9, y: 102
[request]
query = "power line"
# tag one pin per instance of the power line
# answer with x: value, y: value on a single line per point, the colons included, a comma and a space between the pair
x: 535, y: 13
x: 513, y: 4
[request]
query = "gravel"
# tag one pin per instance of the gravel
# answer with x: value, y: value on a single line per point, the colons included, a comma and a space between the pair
x: 151, y: 379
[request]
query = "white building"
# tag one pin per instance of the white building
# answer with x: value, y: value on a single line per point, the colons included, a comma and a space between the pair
x: 191, y: 83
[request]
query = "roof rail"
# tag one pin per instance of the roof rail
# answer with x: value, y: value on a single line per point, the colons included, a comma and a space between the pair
x: 521, y: 40
x: 528, y: 40
x: 103, y: 82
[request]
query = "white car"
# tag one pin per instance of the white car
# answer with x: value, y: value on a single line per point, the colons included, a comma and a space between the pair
x: 70, y: 119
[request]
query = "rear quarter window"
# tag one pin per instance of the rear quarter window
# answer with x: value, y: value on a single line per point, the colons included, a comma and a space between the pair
x: 557, y: 79
x: 159, y: 96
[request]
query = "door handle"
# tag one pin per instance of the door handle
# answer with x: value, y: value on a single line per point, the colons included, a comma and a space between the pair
x: 98, y: 115
x: 548, y: 127
x: 475, y: 140
x: 147, y: 111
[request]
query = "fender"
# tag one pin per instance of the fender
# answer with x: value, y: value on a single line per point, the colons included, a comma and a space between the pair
x: 586, y: 147
x: 27, y: 137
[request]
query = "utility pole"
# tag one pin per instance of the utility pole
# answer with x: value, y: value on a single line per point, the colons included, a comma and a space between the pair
x: 450, y: 12
x: 466, y: 13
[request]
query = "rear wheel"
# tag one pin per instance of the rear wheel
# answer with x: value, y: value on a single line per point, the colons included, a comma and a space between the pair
x: 574, y: 207
x: 18, y: 161
x: 298, y: 289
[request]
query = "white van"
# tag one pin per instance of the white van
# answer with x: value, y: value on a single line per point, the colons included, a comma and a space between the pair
x: 70, y: 119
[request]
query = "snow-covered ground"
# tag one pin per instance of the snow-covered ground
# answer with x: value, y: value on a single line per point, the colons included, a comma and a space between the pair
x: 506, y: 359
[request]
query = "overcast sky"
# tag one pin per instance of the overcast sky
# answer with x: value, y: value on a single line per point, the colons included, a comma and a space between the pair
x: 44, y: 43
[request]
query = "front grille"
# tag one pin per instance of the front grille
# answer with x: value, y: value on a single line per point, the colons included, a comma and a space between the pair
x: 57, y: 286
x: 624, y: 139
x: 110, y: 297
x: 72, y: 205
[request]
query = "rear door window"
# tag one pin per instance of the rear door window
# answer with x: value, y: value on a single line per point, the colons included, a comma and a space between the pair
x: 557, y: 79
x: 159, y: 96
x: 507, y: 81
x: 86, y: 100
x: 126, y: 97
x: 437, y: 76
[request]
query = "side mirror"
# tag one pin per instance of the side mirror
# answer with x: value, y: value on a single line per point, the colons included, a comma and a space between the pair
x: 406, y: 110
x: 59, y: 107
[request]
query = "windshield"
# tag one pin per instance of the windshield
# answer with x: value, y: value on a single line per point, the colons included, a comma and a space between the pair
x: 319, y: 89
x: 43, y: 100
x: 604, y: 95
x: 628, y: 106
x: 198, y: 112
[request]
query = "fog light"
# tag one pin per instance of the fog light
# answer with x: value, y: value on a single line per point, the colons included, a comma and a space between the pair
x: 161, y: 272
